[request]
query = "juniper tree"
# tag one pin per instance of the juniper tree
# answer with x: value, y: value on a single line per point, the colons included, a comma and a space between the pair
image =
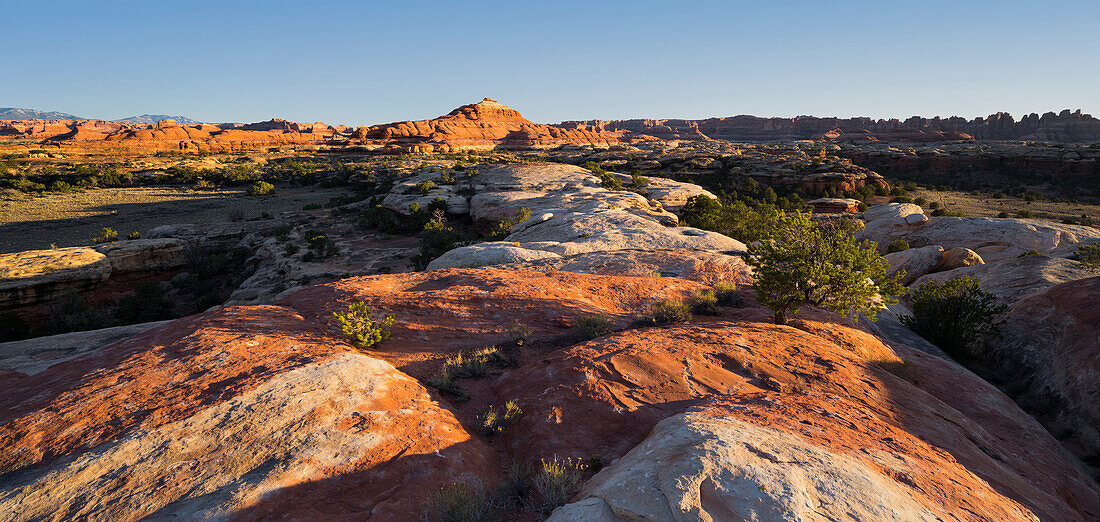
x: 800, y: 262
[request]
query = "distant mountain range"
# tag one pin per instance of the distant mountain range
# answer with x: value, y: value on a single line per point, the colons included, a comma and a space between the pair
x: 153, y: 118
x: 12, y: 113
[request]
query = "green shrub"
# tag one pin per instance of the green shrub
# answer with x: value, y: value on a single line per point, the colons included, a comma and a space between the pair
x: 1003, y: 214
x: 1089, y: 256
x: 444, y: 382
x: 493, y: 422
x: 291, y: 249
x: 593, y: 325
x: 637, y: 180
x: 436, y: 239
x: 955, y: 315
x: 901, y: 199
x: 133, y: 235
x: 1025, y: 214
x: 260, y: 188
x: 519, y: 332
x: 934, y: 205
x: 727, y: 294
x: 1028, y: 252
x: 862, y: 207
x: 920, y: 201
x: 60, y: 186
x: 704, y: 302
x: 670, y: 311
x: 148, y: 303
x: 424, y: 187
x: 458, y: 502
x: 556, y: 483
x: 502, y: 229
x: 107, y: 235
x: 898, y: 245
x: 362, y: 327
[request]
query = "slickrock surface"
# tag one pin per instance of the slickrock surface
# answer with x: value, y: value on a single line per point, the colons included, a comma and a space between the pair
x: 260, y: 411
x: 571, y: 214
x: 1049, y: 361
x: 244, y: 411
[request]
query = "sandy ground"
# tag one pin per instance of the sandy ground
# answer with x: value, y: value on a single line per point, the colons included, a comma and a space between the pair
x: 988, y: 206
x: 36, y: 222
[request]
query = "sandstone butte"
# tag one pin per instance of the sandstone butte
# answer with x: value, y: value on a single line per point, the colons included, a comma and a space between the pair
x: 254, y: 412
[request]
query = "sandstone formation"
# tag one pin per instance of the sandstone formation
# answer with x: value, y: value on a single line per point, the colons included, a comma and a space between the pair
x: 1049, y: 362
x: 483, y: 125
x: 571, y: 214
x: 914, y: 261
x: 991, y: 238
x: 262, y: 411
x: 1064, y: 126
x: 906, y: 434
x: 245, y: 412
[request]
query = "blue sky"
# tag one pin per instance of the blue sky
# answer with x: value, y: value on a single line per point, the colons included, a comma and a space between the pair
x: 373, y: 62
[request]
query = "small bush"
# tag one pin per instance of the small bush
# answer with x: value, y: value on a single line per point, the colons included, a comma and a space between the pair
x: 424, y: 187
x: 261, y: 188
x: 502, y: 229
x: 444, y: 382
x: 901, y: 199
x: 60, y: 186
x: 133, y: 235
x: 637, y: 180
x: 593, y: 325
x: 291, y: 249
x: 704, y: 302
x: 934, y: 205
x: 670, y: 311
x: 1004, y: 214
x: 519, y: 332
x: 458, y: 502
x: 107, y: 235
x: 493, y: 422
x: 1089, y: 256
x: 1025, y: 214
x: 1028, y: 252
x: 898, y: 245
x: 556, y: 483
x: 362, y: 327
x: 955, y: 315
x: 727, y: 294
x: 920, y: 201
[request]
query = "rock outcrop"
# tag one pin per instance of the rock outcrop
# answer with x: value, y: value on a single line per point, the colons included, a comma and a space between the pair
x: 262, y: 411
x: 1063, y: 126
x: 484, y: 125
x: 571, y: 214
x: 991, y: 238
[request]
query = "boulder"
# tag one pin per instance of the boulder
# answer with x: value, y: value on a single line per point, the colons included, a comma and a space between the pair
x: 958, y: 257
x: 696, y: 466
x: 915, y: 261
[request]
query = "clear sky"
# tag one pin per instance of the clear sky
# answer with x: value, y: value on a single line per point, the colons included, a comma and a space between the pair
x: 373, y: 62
